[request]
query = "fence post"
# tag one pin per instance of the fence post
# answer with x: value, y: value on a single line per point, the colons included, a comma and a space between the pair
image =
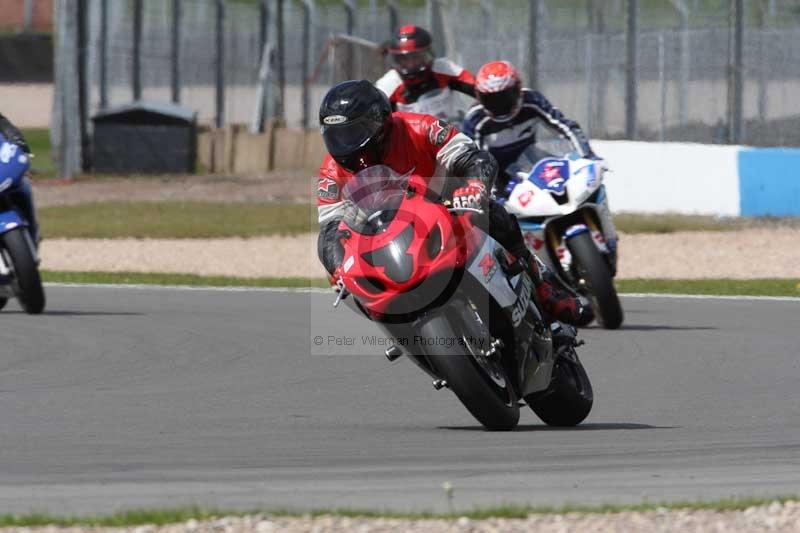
x: 393, y: 24
x: 631, y: 69
x: 306, y: 46
x: 263, y: 24
x: 735, y: 68
x: 84, y: 81
x: 220, y: 63
x: 175, y: 51
x: 103, y: 59
x: 534, y: 17
x: 761, y: 15
x: 350, y: 27
x: 65, y: 131
x: 682, y: 7
x: 662, y: 81
x: 136, y: 75
x: 27, y: 21
x: 588, y: 59
x: 280, y: 112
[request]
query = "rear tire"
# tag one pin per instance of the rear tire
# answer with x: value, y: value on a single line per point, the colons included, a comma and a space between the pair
x: 3, y: 302
x: 493, y: 405
x: 30, y: 292
x: 569, y: 399
x: 594, y: 270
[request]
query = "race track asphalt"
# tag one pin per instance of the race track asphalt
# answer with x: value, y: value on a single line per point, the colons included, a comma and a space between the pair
x: 120, y: 398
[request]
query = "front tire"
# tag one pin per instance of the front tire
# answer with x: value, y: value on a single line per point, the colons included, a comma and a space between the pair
x: 28, y: 287
x: 491, y: 400
x: 569, y: 399
x: 594, y: 270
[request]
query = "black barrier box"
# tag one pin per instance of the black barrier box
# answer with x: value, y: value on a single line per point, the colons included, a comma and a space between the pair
x: 145, y: 137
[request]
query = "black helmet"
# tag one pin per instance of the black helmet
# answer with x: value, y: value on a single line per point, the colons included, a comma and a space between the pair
x: 355, y: 120
x: 410, y: 53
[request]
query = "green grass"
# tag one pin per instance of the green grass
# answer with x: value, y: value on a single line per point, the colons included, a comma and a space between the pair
x: 133, y: 278
x: 195, y: 220
x: 630, y: 223
x: 174, y: 516
x: 719, y: 287
x: 177, y: 220
x: 38, y: 140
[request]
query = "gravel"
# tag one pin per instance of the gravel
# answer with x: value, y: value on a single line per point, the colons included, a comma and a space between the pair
x: 774, y: 517
x: 743, y: 254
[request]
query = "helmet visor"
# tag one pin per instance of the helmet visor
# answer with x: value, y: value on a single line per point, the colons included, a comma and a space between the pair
x: 411, y: 62
x: 349, y: 138
x: 500, y: 104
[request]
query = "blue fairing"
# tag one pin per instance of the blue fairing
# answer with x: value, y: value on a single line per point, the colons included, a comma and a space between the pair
x: 527, y: 225
x: 14, y: 163
x: 11, y: 219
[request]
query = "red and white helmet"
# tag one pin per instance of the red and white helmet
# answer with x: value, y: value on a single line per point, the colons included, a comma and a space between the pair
x: 499, y: 89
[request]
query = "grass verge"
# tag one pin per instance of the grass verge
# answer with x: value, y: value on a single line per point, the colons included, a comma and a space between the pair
x: 174, y: 516
x: 38, y: 140
x: 135, y: 278
x: 719, y: 287
x: 198, y: 220
x: 176, y: 220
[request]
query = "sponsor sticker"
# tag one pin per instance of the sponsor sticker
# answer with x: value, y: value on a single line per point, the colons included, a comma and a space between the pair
x: 7, y: 151
x: 334, y: 119
x: 438, y: 132
x: 327, y: 189
x: 488, y: 266
x: 525, y: 198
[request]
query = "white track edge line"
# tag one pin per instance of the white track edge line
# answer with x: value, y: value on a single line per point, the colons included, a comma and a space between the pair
x: 320, y: 290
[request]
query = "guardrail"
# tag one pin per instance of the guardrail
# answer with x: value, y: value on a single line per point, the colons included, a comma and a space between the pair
x: 682, y: 178
x: 702, y: 179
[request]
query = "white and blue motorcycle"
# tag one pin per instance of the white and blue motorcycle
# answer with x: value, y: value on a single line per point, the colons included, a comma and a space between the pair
x: 19, y: 261
x: 563, y: 212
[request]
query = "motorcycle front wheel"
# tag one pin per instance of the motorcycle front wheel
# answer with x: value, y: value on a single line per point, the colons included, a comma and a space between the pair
x: 479, y: 382
x: 593, y: 269
x: 569, y: 398
x: 27, y: 283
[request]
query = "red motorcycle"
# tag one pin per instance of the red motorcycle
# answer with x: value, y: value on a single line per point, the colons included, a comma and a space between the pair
x: 456, y: 303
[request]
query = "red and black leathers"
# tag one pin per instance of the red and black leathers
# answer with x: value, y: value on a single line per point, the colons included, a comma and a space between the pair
x: 429, y: 147
x: 443, y: 73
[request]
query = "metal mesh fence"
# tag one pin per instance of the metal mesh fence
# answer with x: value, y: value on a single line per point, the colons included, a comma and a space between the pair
x: 684, y: 70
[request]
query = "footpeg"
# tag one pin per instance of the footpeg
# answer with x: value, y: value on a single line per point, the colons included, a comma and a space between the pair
x: 439, y: 384
x: 393, y: 353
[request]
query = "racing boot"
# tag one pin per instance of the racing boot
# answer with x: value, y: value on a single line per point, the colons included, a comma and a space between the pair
x: 555, y: 300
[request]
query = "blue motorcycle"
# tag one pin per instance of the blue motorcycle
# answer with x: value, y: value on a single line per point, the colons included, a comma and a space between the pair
x: 19, y: 260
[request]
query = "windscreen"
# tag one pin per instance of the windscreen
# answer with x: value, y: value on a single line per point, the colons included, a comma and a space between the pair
x: 372, y: 198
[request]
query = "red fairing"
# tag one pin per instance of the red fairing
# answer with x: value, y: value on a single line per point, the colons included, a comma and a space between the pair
x: 458, y: 240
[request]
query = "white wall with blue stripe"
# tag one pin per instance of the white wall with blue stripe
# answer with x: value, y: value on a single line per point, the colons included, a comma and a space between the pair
x: 701, y: 179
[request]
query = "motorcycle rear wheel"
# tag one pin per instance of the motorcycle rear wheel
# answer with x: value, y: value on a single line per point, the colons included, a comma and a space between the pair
x: 484, y: 390
x: 594, y: 270
x: 569, y: 398
x: 29, y: 289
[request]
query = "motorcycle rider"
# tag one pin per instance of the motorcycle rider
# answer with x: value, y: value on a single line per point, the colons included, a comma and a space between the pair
x: 505, y: 120
x: 416, y: 72
x: 360, y: 130
x: 22, y: 197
